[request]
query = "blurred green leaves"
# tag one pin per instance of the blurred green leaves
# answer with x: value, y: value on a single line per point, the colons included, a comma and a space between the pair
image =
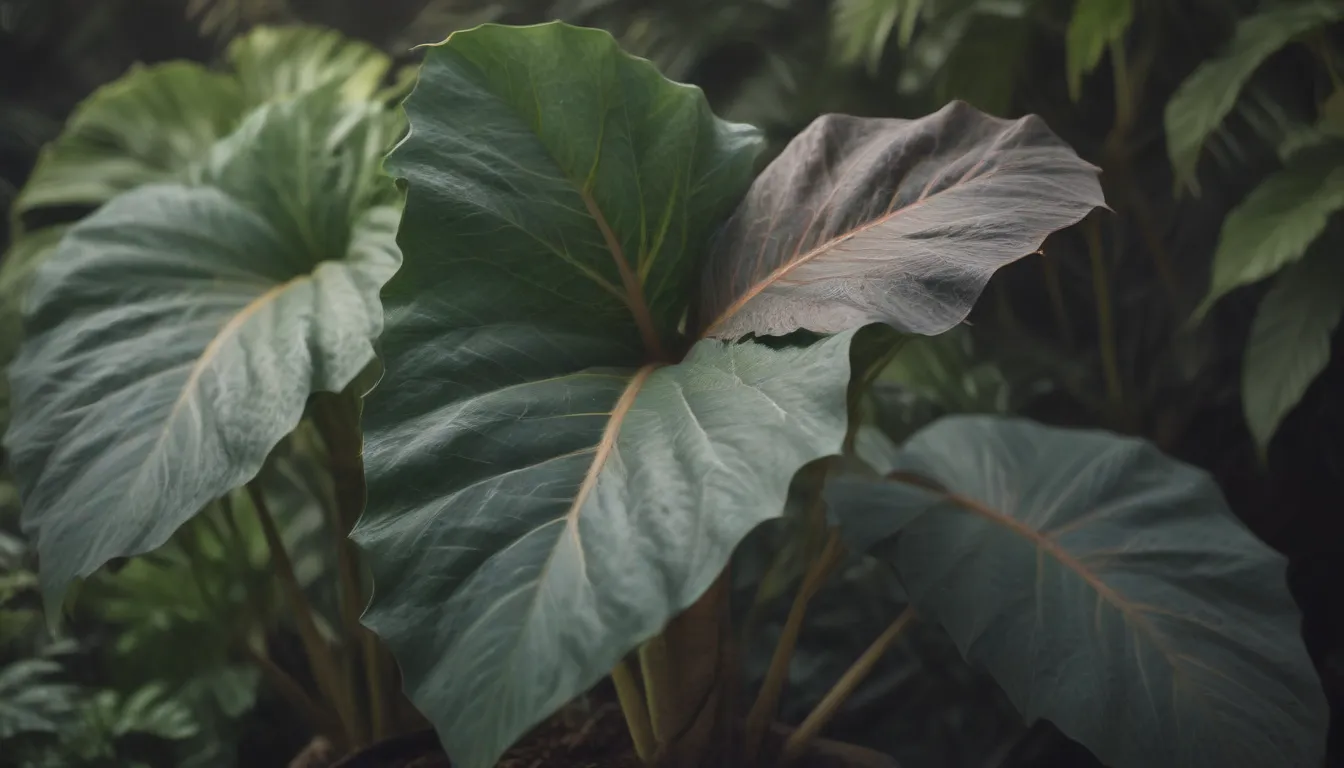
x: 31, y: 699
x: 1208, y: 94
x: 154, y: 124
x: 1095, y: 25
x: 1289, y: 344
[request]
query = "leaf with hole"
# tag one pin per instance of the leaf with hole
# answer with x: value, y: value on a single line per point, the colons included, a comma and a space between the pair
x: 1105, y: 586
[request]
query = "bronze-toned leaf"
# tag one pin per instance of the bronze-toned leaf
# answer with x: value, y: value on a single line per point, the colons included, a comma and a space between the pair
x: 864, y: 220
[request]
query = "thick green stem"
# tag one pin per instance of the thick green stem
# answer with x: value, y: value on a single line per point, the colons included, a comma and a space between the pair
x: 1129, y: 81
x: 326, y: 669
x: 1110, y: 359
x: 684, y: 684
x: 767, y: 700
x: 655, y: 671
x: 796, y: 745
x: 337, y: 419
x: 635, y: 709
x: 1055, y: 289
x: 321, y: 719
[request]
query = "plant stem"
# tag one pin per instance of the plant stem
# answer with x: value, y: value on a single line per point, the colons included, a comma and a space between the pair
x: 326, y: 671
x: 321, y: 719
x: 256, y: 602
x: 657, y: 677
x: 1056, y: 291
x: 337, y: 420
x: 684, y: 681
x: 817, y: 719
x: 1124, y: 94
x: 767, y: 700
x: 635, y: 710
x: 860, y: 383
x: 1110, y: 360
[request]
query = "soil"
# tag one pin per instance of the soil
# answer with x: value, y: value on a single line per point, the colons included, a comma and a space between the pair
x: 576, y: 737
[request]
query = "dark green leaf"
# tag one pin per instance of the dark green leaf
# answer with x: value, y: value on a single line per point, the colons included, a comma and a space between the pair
x: 1107, y: 588
x: 1276, y: 222
x: 1095, y: 24
x: 1290, y: 338
x: 543, y: 495
x: 176, y: 334
x: 528, y: 531
x: 864, y: 220
x: 1207, y: 95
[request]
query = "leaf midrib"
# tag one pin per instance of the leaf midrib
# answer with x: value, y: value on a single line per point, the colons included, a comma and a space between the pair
x: 602, y: 451
x: 634, y: 290
x: 1050, y: 546
x: 208, y: 356
x: 784, y: 269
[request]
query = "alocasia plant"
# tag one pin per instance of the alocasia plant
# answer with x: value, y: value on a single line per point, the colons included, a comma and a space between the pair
x: 608, y: 354
x: 581, y: 419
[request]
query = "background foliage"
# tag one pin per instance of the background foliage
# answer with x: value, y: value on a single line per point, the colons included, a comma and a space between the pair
x: 1199, y: 313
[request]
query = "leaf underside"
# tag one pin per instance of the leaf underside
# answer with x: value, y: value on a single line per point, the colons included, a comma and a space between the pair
x: 865, y: 220
x: 1106, y: 587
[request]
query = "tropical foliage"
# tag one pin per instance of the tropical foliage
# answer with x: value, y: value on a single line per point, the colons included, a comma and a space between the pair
x: 648, y: 412
x: 558, y: 419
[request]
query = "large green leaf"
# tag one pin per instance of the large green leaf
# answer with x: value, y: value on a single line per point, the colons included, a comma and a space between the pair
x: 1290, y: 338
x: 1208, y: 94
x: 529, y: 529
x: 1277, y: 221
x: 903, y: 222
x: 1105, y: 586
x: 174, y: 336
x: 1095, y: 24
x: 273, y: 63
x: 544, y: 492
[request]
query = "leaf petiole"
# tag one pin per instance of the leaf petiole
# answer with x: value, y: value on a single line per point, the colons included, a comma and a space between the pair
x: 820, y: 715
